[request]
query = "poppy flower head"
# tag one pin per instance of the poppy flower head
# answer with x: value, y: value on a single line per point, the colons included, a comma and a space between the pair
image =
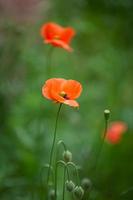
x: 62, y: 91
x: 57, y: 35
x: 115, y: 132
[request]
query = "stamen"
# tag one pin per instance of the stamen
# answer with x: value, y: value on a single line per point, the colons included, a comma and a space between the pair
x: 64, y: 95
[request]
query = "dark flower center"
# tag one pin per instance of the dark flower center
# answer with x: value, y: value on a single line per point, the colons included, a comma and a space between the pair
x: 64, y: 95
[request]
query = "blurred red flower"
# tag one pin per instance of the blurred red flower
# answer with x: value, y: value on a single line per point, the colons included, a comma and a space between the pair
x: 115, y: 132
x: 57, y: 36
x: 62, y: 91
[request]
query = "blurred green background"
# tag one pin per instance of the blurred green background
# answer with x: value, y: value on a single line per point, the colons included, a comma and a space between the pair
x: 102, y: 61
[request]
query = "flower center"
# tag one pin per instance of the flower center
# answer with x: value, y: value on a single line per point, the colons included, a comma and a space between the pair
x: 57, y: 37
x: 64, y: 95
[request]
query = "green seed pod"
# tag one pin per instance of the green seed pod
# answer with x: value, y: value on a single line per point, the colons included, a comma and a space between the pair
x: 70, y: 186
x: 78, y: 192
x: 52, y: 194
x: 86, y: 184
x: 106, y: 114
x: 67, y: 156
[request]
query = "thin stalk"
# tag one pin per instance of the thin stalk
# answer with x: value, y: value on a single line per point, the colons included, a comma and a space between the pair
x: 41, y: 178
x: 101, y: 146
x: 56, y: 168
x: 68, y: 175
x: 53, y: 144
x: 48, y: 61
x: 64, y: 178
x: 58, y: 162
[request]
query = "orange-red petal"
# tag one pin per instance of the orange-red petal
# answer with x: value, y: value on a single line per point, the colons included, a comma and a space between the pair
x: 72, y: 88
x: 46, y: 89
x: 67, y: 35
x: 51, y: 30
x: 71, y: 103
x: 115, y: 132
x: 52, y: 87
x: 59, y: 43
x: 113, y: 137
x: 118, y: 127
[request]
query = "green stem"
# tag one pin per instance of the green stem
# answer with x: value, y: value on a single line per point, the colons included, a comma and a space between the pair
x: 64, y: 178
x: 101, y: 146
x: 68, y: 175
x: 63, y: 144
x: 41, y: 177
x: 53, y: 144
x: 58, y: 162
x: 56, y: 167
x: 73, y: 165
x: 48, y: 62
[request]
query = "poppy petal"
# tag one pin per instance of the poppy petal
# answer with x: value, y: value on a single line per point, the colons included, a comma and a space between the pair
x: 118, y: 126
x: 113, y: 137
x: 59, y: 43
x: 115, y: 132
x: 56, y: 97
x: 51, y: 30
x: 51, y: 85
x: 72, y: 88
x: 71, y: 103
x: 46, y: 89
x: 67, y: 35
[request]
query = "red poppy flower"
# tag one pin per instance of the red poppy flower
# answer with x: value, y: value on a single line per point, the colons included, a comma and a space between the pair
x: 57, y: 36
x: 115, y: 132
x: 62, y: 91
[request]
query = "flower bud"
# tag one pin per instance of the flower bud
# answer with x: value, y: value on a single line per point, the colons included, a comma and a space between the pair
x: 52, y: 194
x: 67, y: 155
x: 78, y: 192
x: 106, y: 114
x: 86, y: 184
x: 70, y: 186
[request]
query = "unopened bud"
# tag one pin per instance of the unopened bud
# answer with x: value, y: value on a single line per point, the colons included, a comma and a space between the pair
x: 78, y: 192
x: 106, y: 114
x: 67, y: 155
x: 70, y: 186
x: 52, y: 194
x: 86, y: 184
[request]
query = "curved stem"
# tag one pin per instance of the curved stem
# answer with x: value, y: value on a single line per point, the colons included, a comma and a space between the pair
x: 63, y: 144
x: 72, y: 164
x: 58, y: 162
x: 53, y: 144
